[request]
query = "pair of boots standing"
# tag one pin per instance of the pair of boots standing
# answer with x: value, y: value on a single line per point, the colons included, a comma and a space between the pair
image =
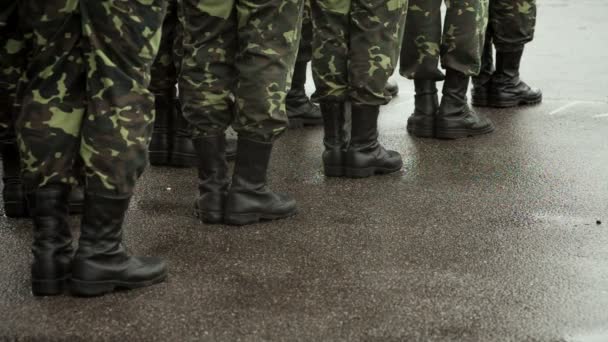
x: 498, y: 87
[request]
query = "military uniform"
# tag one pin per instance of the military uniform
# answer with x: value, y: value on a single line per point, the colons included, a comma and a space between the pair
x: 355, y: 50
x: 511, y: 26
x: 171, y: 138
x: 236, y: 71
x: 300, y: 109
x: 87, y: 94
x: 458, y: 47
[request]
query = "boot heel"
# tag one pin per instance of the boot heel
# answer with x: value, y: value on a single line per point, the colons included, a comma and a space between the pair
x: 359, y: 172
x: 333, y: 171
x: 213, y: 217
x: 15, y: 209
x: 52, y: 287
x: 90, y: 289
x: 242, y: 219
x: 422, y: 128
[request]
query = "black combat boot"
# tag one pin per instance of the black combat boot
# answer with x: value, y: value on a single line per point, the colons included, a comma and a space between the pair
x: 182, y: 149
x: 455, y: 119
x: 213, y: 180
x: 480, y: 93
x: 335, y: 139
x: 52, y: 246
x: 391, y: 88
x: 422, y: 122
x: 101, y: 264
x: 507, y: 89
x: 160, y: 142
x: 365, y: 156
x: 300, y: 109
x: 15, y: 205
x: 249, y: 199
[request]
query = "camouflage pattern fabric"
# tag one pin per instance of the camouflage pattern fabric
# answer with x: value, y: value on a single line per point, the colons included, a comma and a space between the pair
x: 355, y: 48
x: 87, y: 92
x: 305, y: 50
x: 512, y: 23
x: 458, y: 47
x: 239, y: 54
x: 165, y: 68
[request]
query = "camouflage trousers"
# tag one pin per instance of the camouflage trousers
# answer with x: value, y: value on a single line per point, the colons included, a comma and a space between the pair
x: 238, y: 63
x: 512, y: 24
x: 355, y: 48
x: 166, y: 66
x: 305, y: 51
x: 87, y: 92
x: 458, y: 47
x: 13, y: 58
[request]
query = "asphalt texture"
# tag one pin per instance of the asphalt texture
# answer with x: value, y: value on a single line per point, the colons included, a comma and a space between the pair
x: 495, y: 238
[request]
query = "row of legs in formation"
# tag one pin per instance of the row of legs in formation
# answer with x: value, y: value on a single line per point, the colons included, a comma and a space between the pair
x: 101, y: 264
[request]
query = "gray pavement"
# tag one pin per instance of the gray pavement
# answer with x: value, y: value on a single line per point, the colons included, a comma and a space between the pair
x: 486, y: 239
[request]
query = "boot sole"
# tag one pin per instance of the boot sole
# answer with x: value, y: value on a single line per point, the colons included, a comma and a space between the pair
x: 251, y: 218
x: 451, y: 133
x: 209, y: 217
x: 505, y: 104
x: 422, y: 130
x: 49, y: 287
x: 333, y: 171
x: 81, y: 288
x: 15, y: 209
x: 368, y: 171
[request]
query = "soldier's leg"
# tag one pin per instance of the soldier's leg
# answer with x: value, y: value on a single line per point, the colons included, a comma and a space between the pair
x: 376, y: 31
x: 12, y: 53
x: 463, y: 37
x: 330, y: 73
x: 480, y: 93
x: 163, y: 86
x: 270, y: 31
x: 48, y: 130
x: 300, y: 109
x: 420, y: 54
x: 114, y: 139
x: 206, y: 83
x: 512, y: 26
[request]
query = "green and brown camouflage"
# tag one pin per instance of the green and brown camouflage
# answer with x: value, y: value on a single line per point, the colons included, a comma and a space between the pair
x: 355, y: 48
x: 87, y: 92
x: 237, y: 65
x: 166, y: 66
x: 457, y: 45
x: 512, y: 23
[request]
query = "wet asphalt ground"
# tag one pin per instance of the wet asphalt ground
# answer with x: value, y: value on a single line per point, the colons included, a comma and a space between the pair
x: 495, y: 238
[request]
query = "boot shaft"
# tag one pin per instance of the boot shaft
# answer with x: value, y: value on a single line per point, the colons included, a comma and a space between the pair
x: 334, y: 124
x: 455, y: 89
x: 101, y: 226
x: 364, y: 128
x: 212, y: 163
x: 507, y: 66
x: 251, y: 164
x: 426, y: 99
x: 52, y: 244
